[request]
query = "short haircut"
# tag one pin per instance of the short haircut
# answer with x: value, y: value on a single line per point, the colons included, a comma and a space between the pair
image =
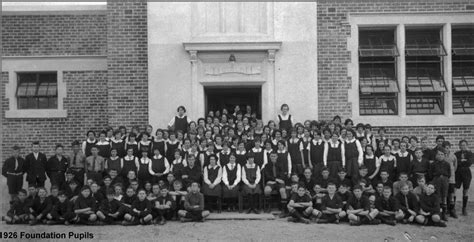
x: 356, y: 187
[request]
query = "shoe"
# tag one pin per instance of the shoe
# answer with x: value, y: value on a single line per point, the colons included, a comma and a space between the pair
x: 375, y: 221
x: 305, y: 221
x: 440, y: 224
x: 390, y: 222
x: 249, y: 210
x: 354, y: 223
x: 291, y: 219
x: 464, y: 212
x: 50, y: 222
x: 452, y: 213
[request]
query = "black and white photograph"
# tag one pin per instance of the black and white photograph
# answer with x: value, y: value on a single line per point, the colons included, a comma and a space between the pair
x: 322, y: 120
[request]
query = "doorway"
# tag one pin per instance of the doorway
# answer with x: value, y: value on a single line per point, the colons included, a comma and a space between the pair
x: 228, y: 97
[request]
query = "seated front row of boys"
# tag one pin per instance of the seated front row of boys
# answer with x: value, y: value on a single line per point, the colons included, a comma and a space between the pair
x: 129, y: 209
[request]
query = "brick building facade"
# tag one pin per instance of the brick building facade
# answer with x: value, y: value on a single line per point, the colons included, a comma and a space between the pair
x: 104, y: 58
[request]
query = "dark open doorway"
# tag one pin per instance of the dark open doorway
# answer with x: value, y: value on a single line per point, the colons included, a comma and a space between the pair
x: 228, y: 97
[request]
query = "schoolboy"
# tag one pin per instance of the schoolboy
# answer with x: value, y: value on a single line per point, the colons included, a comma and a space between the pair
x: 62, y: 211
x: 358, y: 209
x: 429, y: 208
x: 140, y: 212
x: 275, y: 178
x: 440, y: 170
x: 300, y: 206
x: 402, y: 179
x: 388, y: 207
x: 193, y: 205
x: 331, y: 206
x: 109, y: 209
x: 19, y: 211
x: 35, y: 166
x: 13, y: 169
x: 162, y: 209
x: 40, y: 207
x: 463, y: 173
x: 453, y: 162
x: 408, y: 203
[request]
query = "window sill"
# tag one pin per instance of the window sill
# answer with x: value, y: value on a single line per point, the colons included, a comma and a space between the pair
x: 416, y: 120
x: 36, y: 113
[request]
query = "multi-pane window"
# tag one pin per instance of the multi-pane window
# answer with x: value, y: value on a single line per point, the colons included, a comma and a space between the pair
x: 378, y: 85
x: 37, y: 90
x: 462, y: 43
x: 425, y: 85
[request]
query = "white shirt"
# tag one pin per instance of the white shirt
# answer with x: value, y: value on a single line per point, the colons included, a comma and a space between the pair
x: 225, y: 178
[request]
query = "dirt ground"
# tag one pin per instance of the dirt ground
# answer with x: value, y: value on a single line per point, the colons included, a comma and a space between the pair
x: 460, y: 229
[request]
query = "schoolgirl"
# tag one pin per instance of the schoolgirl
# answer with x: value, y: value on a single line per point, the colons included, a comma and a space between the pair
x: 295, y: 148
x: 130, y: 163
x: 118, y: 144
x: 144, y: 144
x: 231, y: 177
x: 334, y: 155
x: 212, y: 178
x: 158, y: 167
x: 132, y: 143
x: 89, y: 143
x: 171, y: 145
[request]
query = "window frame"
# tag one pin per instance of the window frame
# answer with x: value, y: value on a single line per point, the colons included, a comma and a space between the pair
x: 36, y: 96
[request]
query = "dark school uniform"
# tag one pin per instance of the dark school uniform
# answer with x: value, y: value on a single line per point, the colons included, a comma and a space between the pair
x: 143, y: 172
x: 163, y: 213
x: 323, y: 182
x: 251, y: 174
x: 13, y: 169
x: 403, y: 162
x: 273, y: 171
x: 127, y: 202
x: 56, y: 168
x: 388, y: 164
x: 305, y: 142
x: 95, y: 168
x: 358, y: 203
x: 41, y: 207
x: 308, y: 182
x: 440, y: 171
x: 390, y: 204
x: 181, y: 123
x: 230, y: 174
x: 258, y: 156
x: 87, y: 146
x: 294, y: 148
x: 36, y: 169
x: 72, y: 193
x: 177, y: 168
x: 143, y: 206
x: 316, y: 150
x: 145, y: 146
x: 327, y: 202
x: 285, y: 124
x: 334, y: 158
x: 63, y: 211
x: 352, y: 151
x: 388, y: 182
x: 158, y: 165
x: 81, y: 203
x: 104, y: 148
x: 338, y: 181
x: 212, y: 176
x: 194, y: 175
x: 409, y: 201
x: 371, y: 163
x: 53, y: 200
x: 171, y: 147
x: 119, y: 145
x: 345, y: 197
x: 300, y: 199
x: 194, y: 199
x: 133, y: 146
x: 223, y: 157
x: 204, y: 158
x: 19, y: 208
x: 463, y: 174
x: 430, y: 203
x: 110, y: 207
x: 114, y: 163
x: 417, y: 168
x: 241, y: 157
x: 129, y: 164
x: 160, y: 145
x: 283, y: 160
x: 317, y: 200
x: 99, y: 197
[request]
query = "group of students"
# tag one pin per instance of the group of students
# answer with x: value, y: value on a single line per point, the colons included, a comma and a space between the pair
x: 317, y: 171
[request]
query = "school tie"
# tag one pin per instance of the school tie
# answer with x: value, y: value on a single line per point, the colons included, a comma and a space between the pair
x: 274, y: 170
x: 406, y: 202
x: 93, y: 164
x: 74, y: 160
x: 16, y: 164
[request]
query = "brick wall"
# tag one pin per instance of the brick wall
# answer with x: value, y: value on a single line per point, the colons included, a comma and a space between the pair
x: 26, y: 35
x: 127, y: 63
x: 333, y: 57
x: 85, y: 104
x: 333, y: 31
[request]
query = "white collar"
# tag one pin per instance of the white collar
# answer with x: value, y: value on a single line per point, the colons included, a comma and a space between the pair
x: 226, y: 152
x: 250, y: 165
x: 91, y: 142
x: 173, y: 142
x: 229, y: 165
x: 132, y: 143
x: 281, y: 151
x: 145, y: 159
x: 332, y: 143
x: 350, y: 141
x: 157, y: 157
x: 159, y: 140
x: 129, y: 157
x: 403, y: 154
x: 116, y: 140
x: 256, y: 150
x: 292, y: 140
x: 319, y: 141
x: 239, y: 152
x: 145, y: 142
x: 383, y: 157
x: 102, y: 143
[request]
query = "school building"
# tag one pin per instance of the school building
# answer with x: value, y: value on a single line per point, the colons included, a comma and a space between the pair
x: 407, y: 65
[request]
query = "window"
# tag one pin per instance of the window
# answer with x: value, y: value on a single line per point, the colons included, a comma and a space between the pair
x: 378, y: 84
x: 463, y: 69
x: 37, y: 90
x: 424, y: 80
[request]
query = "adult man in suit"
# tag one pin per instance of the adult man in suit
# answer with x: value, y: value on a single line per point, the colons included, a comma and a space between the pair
x: 35, y: 166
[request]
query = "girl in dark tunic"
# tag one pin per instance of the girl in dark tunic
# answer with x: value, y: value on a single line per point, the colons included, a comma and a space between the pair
x: 212, y: 181
x: 353, y: 155
x: 117, y: 143
x: 159, y: 167
x: 251, y: 177
x: 231, y: 176
x: 158, y: 142
x: 130, y: 163
x: 114, y: 162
